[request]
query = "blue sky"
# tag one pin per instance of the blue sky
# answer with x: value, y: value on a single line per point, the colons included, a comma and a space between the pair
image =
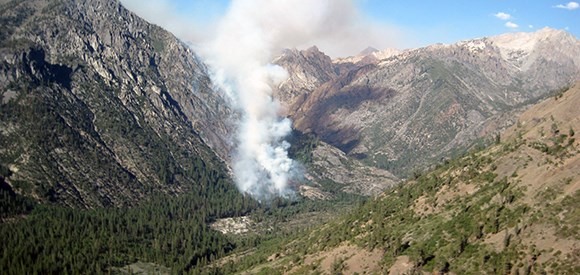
x: 423, y: 22
x: 448, y: 21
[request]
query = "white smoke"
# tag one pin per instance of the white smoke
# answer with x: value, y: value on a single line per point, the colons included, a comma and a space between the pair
x: 248, y: 37
x: 344, y: 31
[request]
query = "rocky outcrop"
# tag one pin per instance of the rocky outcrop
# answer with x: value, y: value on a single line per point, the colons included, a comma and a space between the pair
x: 350, y: 175
x: 100, y: 107
x: 308, y: 70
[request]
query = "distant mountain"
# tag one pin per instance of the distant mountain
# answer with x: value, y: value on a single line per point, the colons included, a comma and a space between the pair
x: 512, y: 208
x: 367, y: 51
x: 417, y: 106
x: 101, y: 108
x: 367, y: 56
x: 308, y: 70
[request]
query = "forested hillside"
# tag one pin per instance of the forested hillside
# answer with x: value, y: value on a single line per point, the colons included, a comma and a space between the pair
x: 105, y: 143
x: 168, y: 231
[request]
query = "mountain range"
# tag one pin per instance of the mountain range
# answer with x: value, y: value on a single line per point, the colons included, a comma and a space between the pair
x: 112, y: 132
x: 400, y: 110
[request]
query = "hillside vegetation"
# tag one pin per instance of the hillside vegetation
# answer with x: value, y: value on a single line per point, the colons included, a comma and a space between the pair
x: 512, y: 207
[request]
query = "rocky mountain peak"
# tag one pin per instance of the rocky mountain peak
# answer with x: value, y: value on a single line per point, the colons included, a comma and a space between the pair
x: 523, y: 48
x: 367, y: 51
x: 308, y: 69
x: 369, y: 55
x: 312, y: 51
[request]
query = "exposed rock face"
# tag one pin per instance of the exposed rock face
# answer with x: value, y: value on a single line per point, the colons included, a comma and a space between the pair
x: 417, y: 106
x: 307, y: 70
x: 352, y: 176
x: 100, y: 107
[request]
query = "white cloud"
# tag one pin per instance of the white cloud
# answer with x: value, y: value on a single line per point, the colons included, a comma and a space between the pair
x: 531, y: 26
x: 506, y: 16
x: 511, y: 25
x: 569, y: 6
x: 503, y: 15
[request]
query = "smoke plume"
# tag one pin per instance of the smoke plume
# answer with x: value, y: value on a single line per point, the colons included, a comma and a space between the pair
x: 248, y: 37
